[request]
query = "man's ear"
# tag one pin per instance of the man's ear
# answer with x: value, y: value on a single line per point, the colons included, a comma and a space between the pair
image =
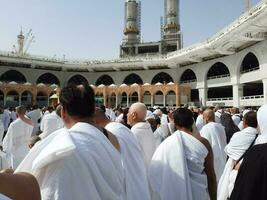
x: 134, y: 116
x: 63, y: 113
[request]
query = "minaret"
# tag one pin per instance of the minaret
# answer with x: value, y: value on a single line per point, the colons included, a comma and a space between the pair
x: 21, y: 43
x: 172, y: 22
x: 131, y: 29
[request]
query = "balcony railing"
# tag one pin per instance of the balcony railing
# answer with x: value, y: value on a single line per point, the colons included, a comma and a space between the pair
x: 253, y: 97
x: 219, y: 76
x: 189, y: 81
x: 250, y: 70
x: 221, y: 99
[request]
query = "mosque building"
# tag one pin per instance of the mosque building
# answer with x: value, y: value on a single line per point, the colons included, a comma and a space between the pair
x: 229, y: 69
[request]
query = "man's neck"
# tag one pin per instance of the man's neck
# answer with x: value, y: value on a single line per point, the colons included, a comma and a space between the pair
x: 77, y: 120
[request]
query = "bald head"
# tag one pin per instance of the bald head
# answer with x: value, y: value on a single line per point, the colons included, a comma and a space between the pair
x: 137, y: 113
x: 209, y: 115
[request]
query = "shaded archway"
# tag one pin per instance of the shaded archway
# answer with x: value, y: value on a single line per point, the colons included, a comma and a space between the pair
x: 249, y: 63
x: 48, y: 79
x: 171, y: 99
x: 99, y: 100
x: 133, y: 98
x: 12, y: 99
x: 42, y: 99
x: 194, y: 95
x: 26, y: 98
x: 220, y: 92
x: 2, y: 98
x: 218, y: 70
x: 13, y: 75
x: 104, y: 80
x: 188, y: 76
x: 133, y: 78
x: 77, y: 80
x: 124, y: 99
x: 112, y: 100
x: 162, y: 77
x: 147, y: 98
x: 159, y: 99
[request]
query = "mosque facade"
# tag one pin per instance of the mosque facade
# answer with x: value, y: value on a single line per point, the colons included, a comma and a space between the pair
x: 229, y: 69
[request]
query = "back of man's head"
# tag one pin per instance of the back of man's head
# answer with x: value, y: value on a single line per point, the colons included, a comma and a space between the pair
x: 21, y: 110
x: 78, y: 101
x: 140, y: 109
x: 209, y: 115
x: 34, y: 107
x: 250, y: 119
x: 183, y: 118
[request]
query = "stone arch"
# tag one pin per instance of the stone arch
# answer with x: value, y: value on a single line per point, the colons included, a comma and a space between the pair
x: 162, y: 77
x: 77, y: 80
x: 124, y: 98
x: 42, y: 99
x: 171, y: 98
x: 188, y: 76
x: 133, y: 97
x: 48, y: 79
x: 26, y: 98
x: 13, y: 75
x: 218, y: 70
x: 159, y: 98
x: 12, y: 98
x: 249, y: 63
x: 104, y: 80
x: 133, y: 78
x: 147, y: 98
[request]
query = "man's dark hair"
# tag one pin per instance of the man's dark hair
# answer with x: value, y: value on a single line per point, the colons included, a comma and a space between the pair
x: 35, y: 107
x: 183, y: 118
x: 78, y: 101
x: 250, y: 119
x: 103, y: 108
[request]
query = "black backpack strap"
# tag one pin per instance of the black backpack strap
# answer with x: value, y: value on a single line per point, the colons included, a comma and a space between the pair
x: 251, y: 145
x: 105, y: 132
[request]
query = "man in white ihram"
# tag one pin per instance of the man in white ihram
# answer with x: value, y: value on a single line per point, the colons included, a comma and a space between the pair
x: 215, y: 134
x: 15, y: 143
x: 77, y: 162
x: 238, y: 145
x: 51, y: 122
x: 182, y: 166
x: 35, y: 116
x: 136, y: 182
x: 142, y: 130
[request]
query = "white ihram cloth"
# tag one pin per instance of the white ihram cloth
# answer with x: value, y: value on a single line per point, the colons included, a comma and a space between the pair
x: 236, y: 118
x: 6, y: 119
x: 79, y: 163
x: 237, y: 146
x: 218, y: 114
x: 16, y: 141
x: 177, y: 169
x: 4, y: 163
x: 161, y: 133
x: 35, y: 116
x: 146, y: 140
x: 262, y: 121
x: 50, y: 123
x: 136, y: 182
x: 215, y: 134
x: 3, y: 197
x: 200, y: 122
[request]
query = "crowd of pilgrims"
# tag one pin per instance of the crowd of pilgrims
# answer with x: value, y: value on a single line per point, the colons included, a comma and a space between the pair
x: 79, y: 151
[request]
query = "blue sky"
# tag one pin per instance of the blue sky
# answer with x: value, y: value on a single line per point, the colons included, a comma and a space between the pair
x: 92, y: 29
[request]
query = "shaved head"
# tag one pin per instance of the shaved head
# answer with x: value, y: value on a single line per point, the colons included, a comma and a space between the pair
x: 137, y: 113
x: 209, y: 115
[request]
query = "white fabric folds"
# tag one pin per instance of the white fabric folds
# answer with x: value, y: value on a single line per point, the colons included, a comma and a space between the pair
x: 237, y: 146
x: 177, y: 169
